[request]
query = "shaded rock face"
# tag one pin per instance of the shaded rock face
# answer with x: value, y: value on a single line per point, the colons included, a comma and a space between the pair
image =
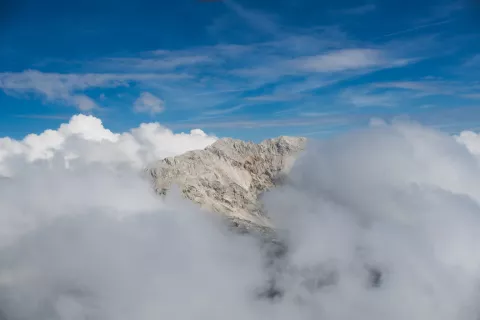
x: 229, y: 176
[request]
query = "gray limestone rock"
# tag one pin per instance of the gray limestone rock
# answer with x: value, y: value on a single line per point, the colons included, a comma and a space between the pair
x: 229, y: 176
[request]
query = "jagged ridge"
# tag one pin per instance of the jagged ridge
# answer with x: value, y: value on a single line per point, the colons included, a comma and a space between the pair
x: 228, y: 176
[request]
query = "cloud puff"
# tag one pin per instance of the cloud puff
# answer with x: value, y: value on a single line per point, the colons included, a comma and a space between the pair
x: 85, y: 140
x: 379, y: 223
x: 148, y: 103
x: 471, y: 140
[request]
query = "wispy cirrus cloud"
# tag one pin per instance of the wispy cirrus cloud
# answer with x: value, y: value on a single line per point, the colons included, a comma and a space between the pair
x: 155, y: 61
x: 227, y: 72
x: 426, y: 87
x: 220, y: 112
x: 365, y: 97
x: 69, y: 88
x: 327, y: 67
x: 346, y: 60
x: 473, y: 61
x: 415, y: 28
x: 234, y: 72
x: 235, y: 122
x: 257, y: 20
x: 273, y: 97
x: 440, y: 14
x: 442, y: 11
x: 475, y: 96
x: 287, y: 65
x: 409, y: 93
x: 148, y: 103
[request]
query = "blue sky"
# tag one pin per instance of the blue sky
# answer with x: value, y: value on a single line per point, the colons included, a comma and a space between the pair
x: 241, y: 68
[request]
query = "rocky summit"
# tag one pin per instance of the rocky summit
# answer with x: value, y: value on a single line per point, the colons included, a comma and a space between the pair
x: 228, y: 176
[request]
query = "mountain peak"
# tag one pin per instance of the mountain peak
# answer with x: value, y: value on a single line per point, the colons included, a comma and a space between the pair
x: 228, y: 176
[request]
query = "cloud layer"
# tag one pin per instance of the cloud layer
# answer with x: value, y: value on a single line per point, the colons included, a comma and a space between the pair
x: 379, y: 224
x: 400, y: 199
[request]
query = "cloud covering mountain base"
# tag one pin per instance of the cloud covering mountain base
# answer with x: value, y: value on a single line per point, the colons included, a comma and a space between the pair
x: 379, y: 224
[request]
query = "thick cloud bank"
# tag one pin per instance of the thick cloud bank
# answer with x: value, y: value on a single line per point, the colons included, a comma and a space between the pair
x: 379, y: 224
x: 386, y: 224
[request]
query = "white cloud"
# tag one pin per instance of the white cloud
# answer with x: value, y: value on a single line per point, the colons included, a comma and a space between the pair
x: 427, y: 87
x: 343, y: 60
x: 471, y: 140
x: 408, y: 85
x: 402, y: 200
x: 379, y: 224
x: 93, y: 241
x: 148, y: 103
x: 85, y: 140
x: 96, y: 243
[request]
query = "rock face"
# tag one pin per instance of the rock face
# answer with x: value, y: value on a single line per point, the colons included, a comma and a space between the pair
x: 229, y: 176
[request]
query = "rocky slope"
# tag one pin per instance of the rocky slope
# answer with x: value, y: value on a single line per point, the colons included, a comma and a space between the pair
x: 229, y: 176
